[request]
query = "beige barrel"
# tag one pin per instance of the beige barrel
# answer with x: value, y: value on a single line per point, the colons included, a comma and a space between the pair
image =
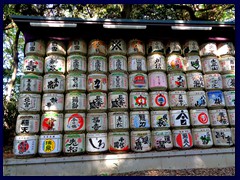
x: 27, y: 124
x: 218, y: 117
x: 36, y: 47
x: 117, y: 63
x: 117, y: 81
x: 202, y: 137
x: 228, y: 81
x: 160, y: 120
x: 97, y: 64
x: 51, y: 123
x: 56, y: 47
x: 136, y: 46
x: 141, y: 141
x: 175, y: 63
x: 52, y: 102
x: 155, y: 47
x: 76, y: 82
x: 162, y: 140
x: 227, y: 63
x: 97, y: 102
x: 231, y: 116
x: 117, y: 46
x: 158, y: 100
x: 178, y: 99
x: 54, y: 83
x: 137, y: 63
x: 31, y: 83
x: 192, y: 63
x: 29, y: 103
x: 96, y: 143
x: 215, y: 99
x: 118, y: 121
x: 118, y: 142
x: 55, y: 64
x: 233, y: 134
x: 77, y: 46
x: 97, y: 47
x: 139, y: 120
x: 33, y: 64
x: 156, y: 62
x: 97, y: 82
x: 179, y: 118
x: 139, y: 101
x: 229, y: 97
x: 182, y: 138
x: 190, y: 47
x: 199, y: 117
x: 96, y: 122
x: 197, y: 99
x: 74, y: 122
x: 138, y: 82
x: 222, y: 137
x: 225, y: 48
x: 208, y: 49
x: 76, y: 63
x: 173, y: 47
x: 211, y: 64
x: 195, y: 81
x: 74, y: 144
x: 75, y: 102
x: 177, y: 81
x: 157, y: 81
x: 213, y: 81
x: 117, y: 101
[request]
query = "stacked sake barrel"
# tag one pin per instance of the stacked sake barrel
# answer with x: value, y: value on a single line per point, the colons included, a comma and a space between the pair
x: 118, y: 116
x: 29, y: 103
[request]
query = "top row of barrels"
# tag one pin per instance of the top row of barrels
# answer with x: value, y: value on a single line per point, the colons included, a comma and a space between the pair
x: 134, y: 46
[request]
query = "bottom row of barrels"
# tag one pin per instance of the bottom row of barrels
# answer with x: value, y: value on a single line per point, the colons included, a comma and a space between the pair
x: 121, y: 142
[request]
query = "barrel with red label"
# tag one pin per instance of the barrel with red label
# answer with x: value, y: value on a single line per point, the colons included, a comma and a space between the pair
x: 158, y: 100
x: 119, y: 142
x: 138, y: 82
x: 74, y: 122
x: 182, y: 138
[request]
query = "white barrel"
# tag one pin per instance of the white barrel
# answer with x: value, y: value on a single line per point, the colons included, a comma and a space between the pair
x: 178, y: 99
x: 138, y: 82
x: 156, y: 62
x: 199, y: 117
x: 211, y: 64
x: 118, y: 81
x: 157, y: 81
x: 231, y: 116
x: 162, y: 140
x: 52, y: 102
x: 190, y: 47
x: 117, y: 101
x: 97, y: 102
x: 160, y: 120
x: 208, y: 49
x: 97, y: 47
x: 76, y: 63
x: 118, y: 121
x: 197, y: 99
x: 192, y: 62
x: 139, y: 120
x: 195, y: 81
x: 27, y: 124
x: 74, y: 122
x: 229, y: 97
x: 36, y: 47
x: 136, y: 46
x: 75, y: 101
x: 96, y: 122
x: 227, y: 64
x: 218, y: 117
x: 173, y: 47
x: 213, y: 81
x: 97, y: 82
x: 54, y: 64
x: 117, y: 63
x: 139, y: 101
x: 33, y: 64
x: 225, y: 48
x: 51, y: 123
x: 54, y: 83
x: 25, y: 146
x: 182, y: 138
x: 175, y: 63
x: 137, y: 63
x: 77, y: 46
x: 215, y: 99
x: 31, y: 83
x: 141, y: 141
x: 222, y: 137
x: 76, y: 82
x: 117, y: 46
x: 233, y: 134
x: 158, y: 100
x: 118, y: 142
x: 179, y: 118
x: 96, y: 142
x: 50, y: 145
x: 56, y: 47
x: 202, y: 137
x: 30, y: 103
x: 228, y: 81
x: 97, y: 64
x: 155, y: 46
x: 74, y: 144
x: 177, y: 81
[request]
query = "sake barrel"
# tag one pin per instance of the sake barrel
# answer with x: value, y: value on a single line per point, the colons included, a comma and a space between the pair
x: 31, y: 83
x: 96, y: 143
x: 190, y: 47
x: 136, y: 46
x: 33, y: 64
x: 160, y: 120
x: 213, y: 81
x: 51, y: 123
x: 76, y: 82
x: 141, y: 141
x: 118, y: 81
x: 137, y: 63
x: 25, y: 146
x: 211, y: 65
x: 177, y: 81
x: 158, y: 100
x: 117, y: 46
x: 54, y: 83
x: 139, y: 120
x: 231, y: 116
x: 27, y: 124
x: 199, y: 117
x: 118, y: 142
x: 76, y: 63
x: 208, y: 49
x: 74, y: 123
x: 228, y: 81
x: 227, y: 63
x: 156, y: 62
x: 197, y: 99
x: 179, y: 118
x: 182, y: 138
x: 178, y: 99
x: 155, y: 46
x: 218, y: 117
x: 233, y: 134
x: 195, y: 81
x: 118, y: 121
x: 175, y: 63
x: 157, y: 81
x: 117, y: 101
x: 225, y: 48
x: 30, y: 103
x: 97, y: 47
x: 229, y: 97
x: 192, y: 62
x: 50, y: 145
x: 97, y: 102
x: 215, y: 99
x: 96, y: 122
x: 162, y: 140
x: 56, y: 47
x: 202, y: 137
x: 74, y: 144
x: 138, y: 82
x: 117, y: 63
x: 75, y: 102
x: 54, y: 64
x: 222, y: 137
x: 77, y: 46
x: 139, y: 101
x: 52, y: 102
x: 36, y: 47
x: 173, y: 47
x: 97, y: 64
x: 97, y: 82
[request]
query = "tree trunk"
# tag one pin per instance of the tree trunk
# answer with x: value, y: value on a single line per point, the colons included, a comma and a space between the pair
x: 14, y: 66
x: 126, y: 12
